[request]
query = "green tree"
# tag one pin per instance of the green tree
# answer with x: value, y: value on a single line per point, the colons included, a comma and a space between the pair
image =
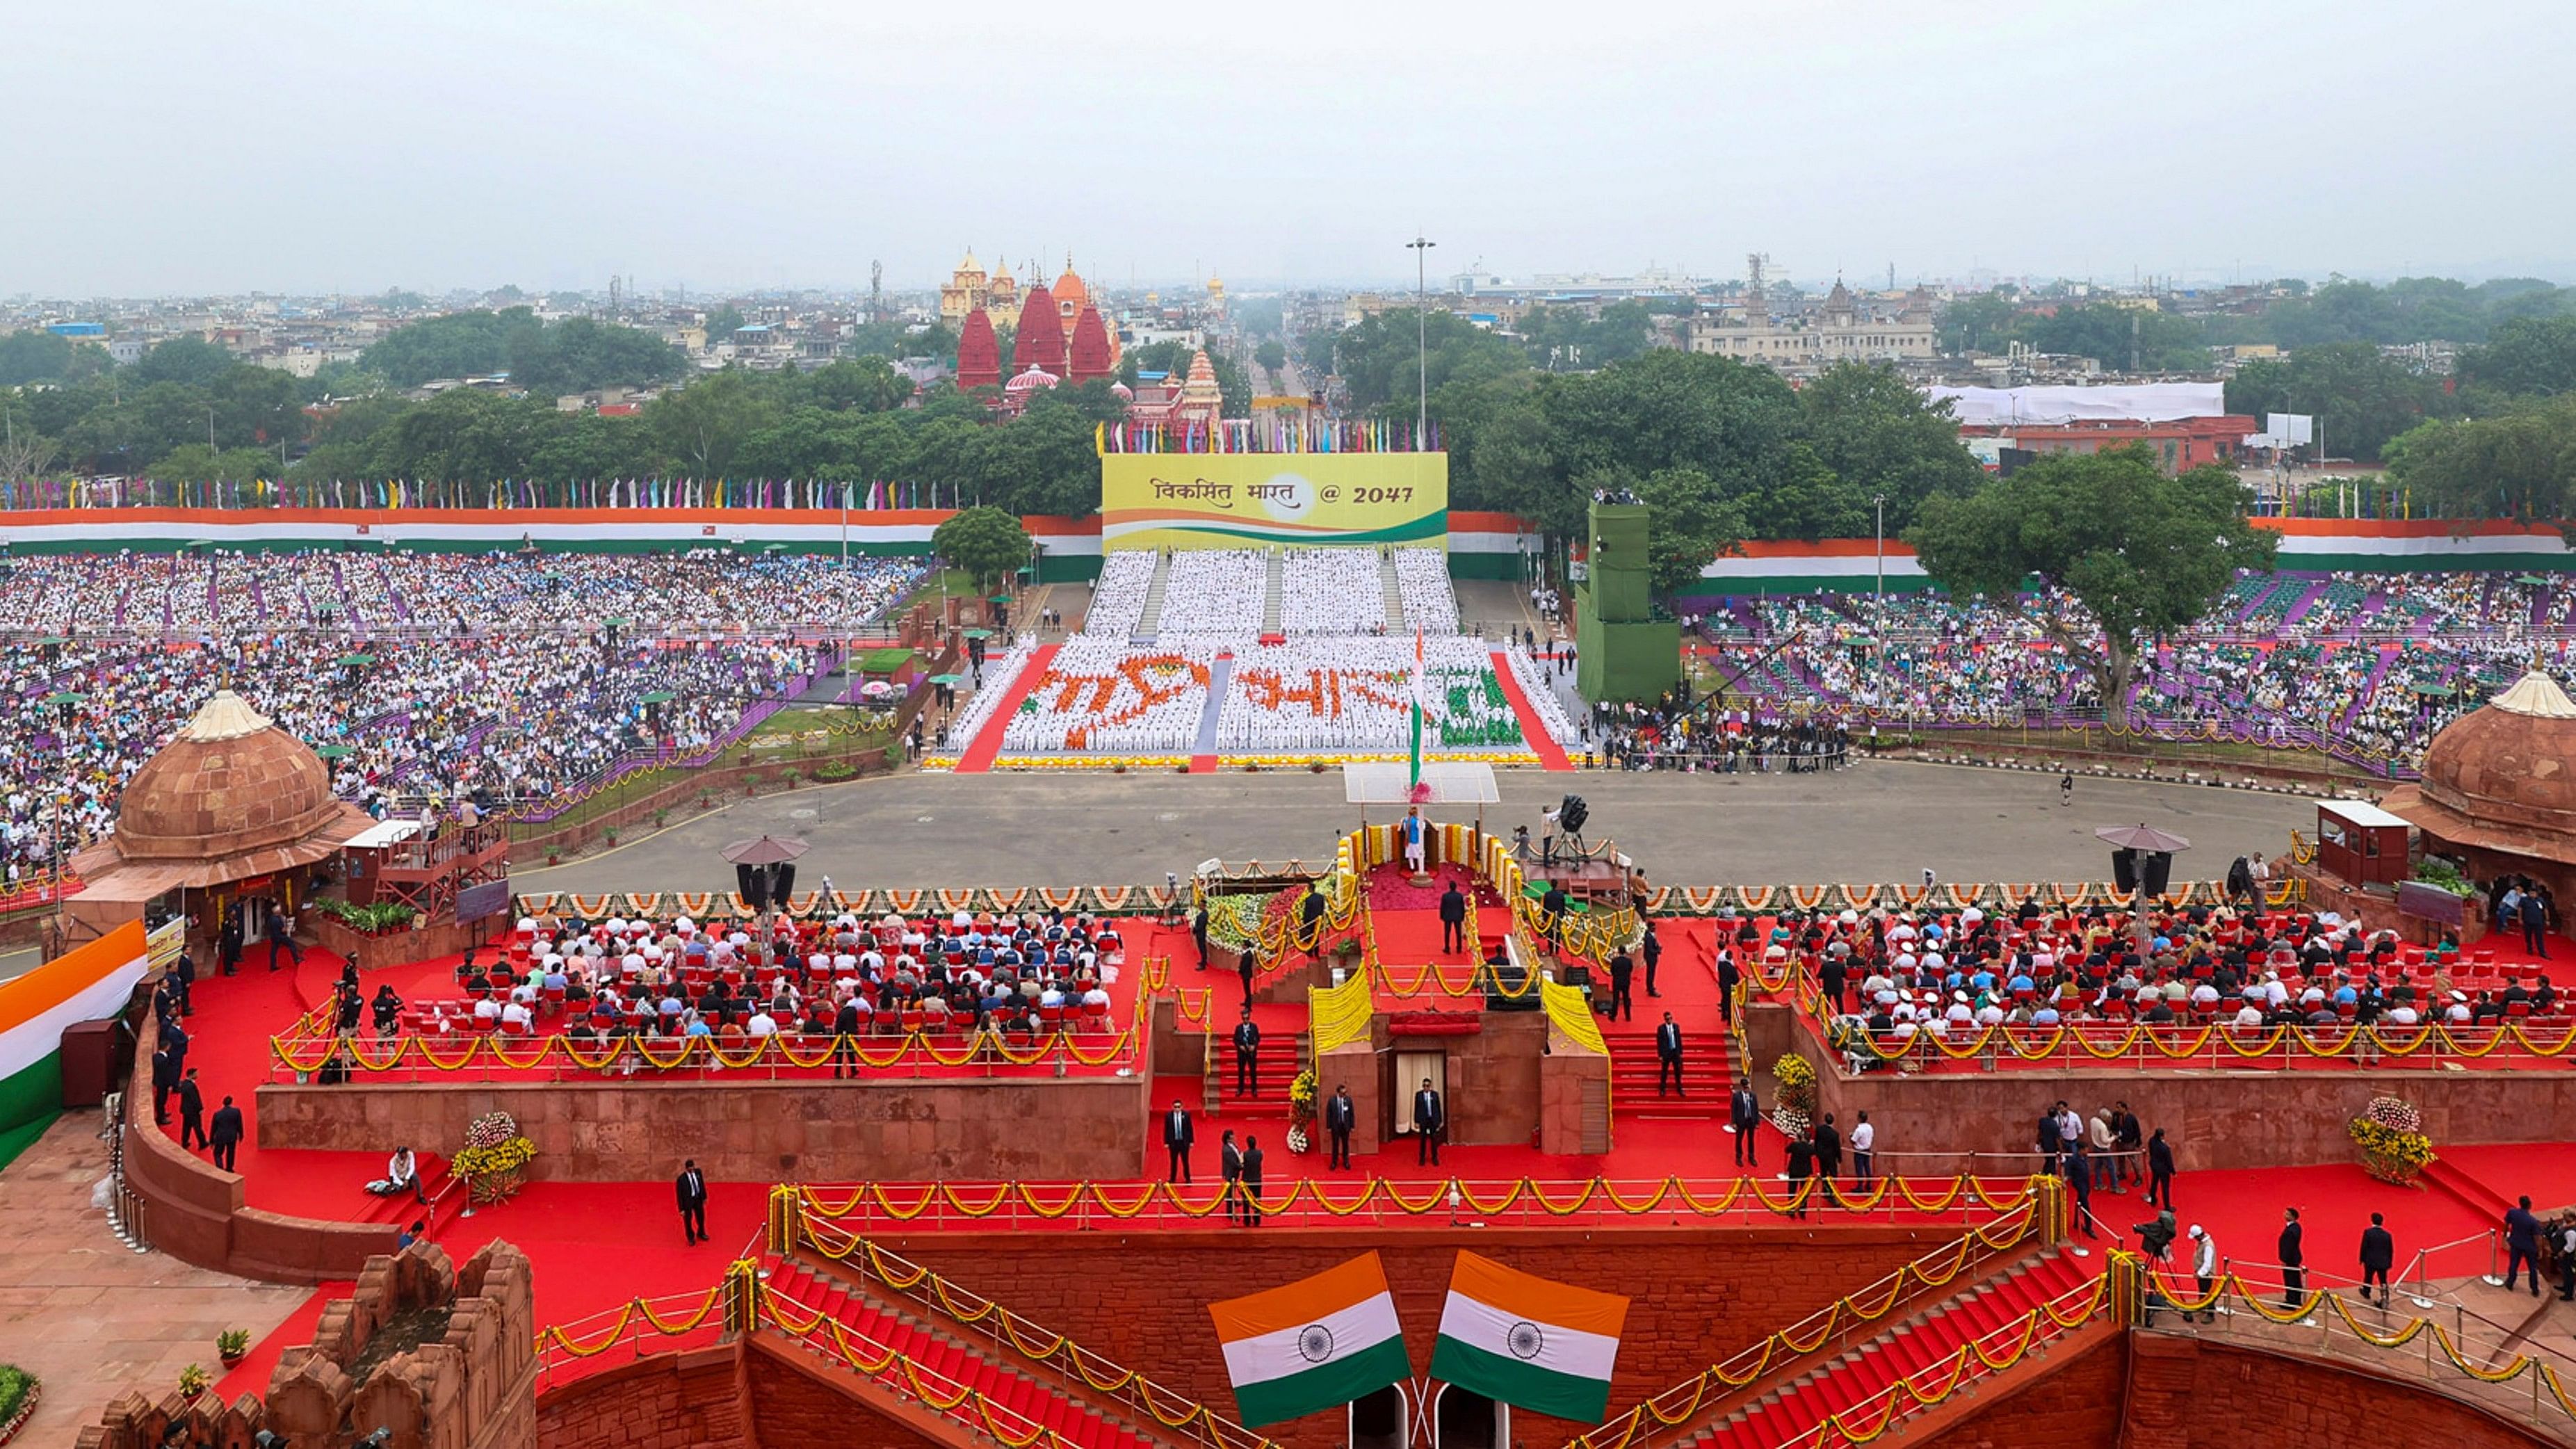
x: 986, y: 542
x: 2530, y: 356
x: 578, y: 354
x: 1377, y: 359
x: 2141, y: 554
x: 197, y: 463
x: 1689, y: 524
x: 2519, y: 464
x: 723, y: 322
x: 2360, y: 398
x: 1881, y: 437
x: 863, y: 384
x: 39, y: 356
x: 1981, y: 322
x: 191, y: 360
x: 459, y: 344
x: 2113, y: 335
x: 255, y: 407
x: 700, y: 427
x: 1272, y: 354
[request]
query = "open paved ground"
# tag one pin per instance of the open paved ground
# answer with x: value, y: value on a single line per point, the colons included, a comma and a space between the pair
x: 1877, y: 822
x: 91, y: 1317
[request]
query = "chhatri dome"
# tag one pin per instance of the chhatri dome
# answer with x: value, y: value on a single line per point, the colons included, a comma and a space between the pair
x: 231, y: 796
x: 2502, y: 777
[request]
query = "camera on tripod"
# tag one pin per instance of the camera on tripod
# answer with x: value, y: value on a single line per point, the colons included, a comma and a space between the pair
x: 1568, y: 819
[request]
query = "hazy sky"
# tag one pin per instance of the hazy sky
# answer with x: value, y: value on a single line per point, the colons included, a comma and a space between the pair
x: 186, y: 146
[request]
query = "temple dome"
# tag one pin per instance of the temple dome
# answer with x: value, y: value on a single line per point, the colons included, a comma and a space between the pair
x: 230, y: 781
x: 1030, y: 381
x: 2506, y: 770
x: 979, y: 353
x: 1039, y: 342
x: 1090, y: 355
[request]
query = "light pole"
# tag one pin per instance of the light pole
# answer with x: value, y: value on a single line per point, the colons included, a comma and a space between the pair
x: 1878, y: 503
x: 1421, y: 247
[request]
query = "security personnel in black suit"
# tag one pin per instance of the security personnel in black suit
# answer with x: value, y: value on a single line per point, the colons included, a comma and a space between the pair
x: 1727, y: 976
x: 1453, y: 919
x: 1229, y: 1165
x: 1653, y: 951
x: 1178, y: 1133
x: 846, y: 1026
x: 691, y: 1188
x: 1622, y: 968
x: 165, y: 1080
x: 1247, y: 1057
x: 1251, y: 1182
x: 225, y: 1139
x: 192, y: 1112
x: 1668, y: 1055
x: 1340, y: 1116
x: 1428, y: 1122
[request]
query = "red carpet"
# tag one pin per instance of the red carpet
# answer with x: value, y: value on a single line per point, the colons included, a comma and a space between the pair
x: 1551, y: 755
x: 987, y: 744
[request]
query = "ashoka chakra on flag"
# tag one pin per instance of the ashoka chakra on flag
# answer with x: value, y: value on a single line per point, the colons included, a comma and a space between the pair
x: 1314, y: 1344
x: 1529, y: 1342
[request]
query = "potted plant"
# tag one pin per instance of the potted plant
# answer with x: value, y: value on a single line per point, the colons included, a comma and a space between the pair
x: 661, y: 818
x: 494, y: 1162
x: 193, y: 1380
x: 2390, y: 1133
x: 231, y: 1344
x: 1301, y: 1111
x: 18, y: 1395
x: 1793, y: 1100
x: 609, y: 836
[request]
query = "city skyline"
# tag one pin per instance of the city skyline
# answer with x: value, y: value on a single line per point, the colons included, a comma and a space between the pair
x: 273, y: 148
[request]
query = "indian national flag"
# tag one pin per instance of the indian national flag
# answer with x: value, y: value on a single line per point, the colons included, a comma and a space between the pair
x: 1529, y: 1342
x: 90, y: 983
x: 1313, y: 1344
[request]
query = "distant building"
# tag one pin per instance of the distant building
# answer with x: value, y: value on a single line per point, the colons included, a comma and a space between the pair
x: 1840, y: 331
x: 79, y: 331
x: 2177, y: 446
x: 969, y: 288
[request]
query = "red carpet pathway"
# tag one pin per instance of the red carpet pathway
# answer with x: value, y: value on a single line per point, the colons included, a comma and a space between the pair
x: 987, y: 744
x: 1551, y: 755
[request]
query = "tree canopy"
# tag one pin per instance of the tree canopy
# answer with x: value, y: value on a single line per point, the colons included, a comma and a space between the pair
x: 986, y: 542
x: 2359, y: 397
x: 573, y: 355
x: 2518, y: 464
x: 2142, y: 554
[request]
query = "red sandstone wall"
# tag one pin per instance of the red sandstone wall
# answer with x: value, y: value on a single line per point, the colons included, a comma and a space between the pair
x: 795, y: 1405
x: 2214, y: 1120
x: 2185, y: 1393
x: 668, y: 1401
x: 2074, y: 1404
x: 1699, y: 1293
x: 624, y: 1129
x: 194, y: 1212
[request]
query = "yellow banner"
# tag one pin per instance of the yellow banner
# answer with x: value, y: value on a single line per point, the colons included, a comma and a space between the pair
x: 1248, y: 500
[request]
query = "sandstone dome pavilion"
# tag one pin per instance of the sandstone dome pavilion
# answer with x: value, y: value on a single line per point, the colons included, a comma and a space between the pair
x: 232, y: 808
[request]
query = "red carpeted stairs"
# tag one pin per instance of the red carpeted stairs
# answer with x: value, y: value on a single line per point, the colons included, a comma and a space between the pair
x: 865, y: 1317
x: 1281, y: 1057
x: 1706, y: 1077
x: 1793, y: 1408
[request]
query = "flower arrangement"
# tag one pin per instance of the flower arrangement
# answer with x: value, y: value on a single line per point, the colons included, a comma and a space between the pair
x: 2394, y: 1148
x: 495, y: 1158
x: 18, y: 1394
x: 1301, y: 1111
x: 1793, y: 1103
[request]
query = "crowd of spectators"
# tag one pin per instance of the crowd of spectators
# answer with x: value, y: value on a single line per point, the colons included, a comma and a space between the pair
x: 2367, y: 665
x: 511, y: 688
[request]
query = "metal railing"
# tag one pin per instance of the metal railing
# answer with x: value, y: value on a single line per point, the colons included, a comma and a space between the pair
x: 1166, y: 1408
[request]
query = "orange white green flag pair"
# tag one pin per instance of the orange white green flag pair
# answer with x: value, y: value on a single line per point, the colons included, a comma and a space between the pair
x: 1324, y: 1341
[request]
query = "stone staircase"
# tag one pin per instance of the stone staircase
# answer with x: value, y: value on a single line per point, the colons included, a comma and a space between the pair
x: 1150, y: 622
x: 1395, y: 620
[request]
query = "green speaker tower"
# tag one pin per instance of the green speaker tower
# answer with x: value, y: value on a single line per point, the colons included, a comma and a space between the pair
x: 1622, y: 650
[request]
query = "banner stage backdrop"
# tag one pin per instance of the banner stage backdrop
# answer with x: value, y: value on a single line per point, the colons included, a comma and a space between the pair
x: 1247, y: 500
